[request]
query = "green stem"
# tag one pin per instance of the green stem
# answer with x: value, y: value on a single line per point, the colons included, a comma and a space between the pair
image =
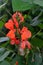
x: 36, y: 34
x: 8, y: 12
x: 2, y: 32
x: 7, y: 49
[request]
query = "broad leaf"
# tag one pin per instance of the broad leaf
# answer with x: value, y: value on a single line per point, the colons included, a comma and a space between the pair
x: 19, y: 5
x: 19, y: 59
x: 37, y: 42
x: 38, y: 58
x: 30, y: 1
x: 38, y: 2
x: 5, y: 63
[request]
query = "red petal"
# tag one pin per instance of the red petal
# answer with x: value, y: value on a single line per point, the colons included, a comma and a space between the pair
x: 28, y: 45
x: 25, y: 34
x: 24, y: 29
x: 16, y: 22
x: 23, y: 45
x: 12, y: 42
x: 11, y: 34
x: 14, y: 15
x: 17, y: 41
x: 9, y: 25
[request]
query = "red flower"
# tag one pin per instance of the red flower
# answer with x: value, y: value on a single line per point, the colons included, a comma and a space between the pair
x: 11, y: 34
x: 14, y: 15
x: 25, y: 44
x: 9, y: 25
x: 24, y: 29
x: 15, y: 22
x: 17, y: 41
x: 25, y: 33
x: 28, y: 44
x: 12, y: 42
x: 21, y: 17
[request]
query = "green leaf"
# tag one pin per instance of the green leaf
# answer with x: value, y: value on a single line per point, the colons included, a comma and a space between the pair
x: 40, y: 35
x: 2, y: 50
x: 3, y: 3
x: 35, y: 23
x: 37, y: 42
x: 38, y: 2
x: 5, y: 63
x: 1, y: 24
x: 20, y: 60
x: 41, y: 25
x: 19, y: 5
x: 3, y: 39
x: 38, y: 58
x: 30, y: 1
x: 4, y: 55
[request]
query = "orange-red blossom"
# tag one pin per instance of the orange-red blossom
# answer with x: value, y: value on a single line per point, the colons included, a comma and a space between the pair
x: 24, y: 32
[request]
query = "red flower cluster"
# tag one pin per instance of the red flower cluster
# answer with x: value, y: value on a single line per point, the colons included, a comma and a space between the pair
x: 13, y: 26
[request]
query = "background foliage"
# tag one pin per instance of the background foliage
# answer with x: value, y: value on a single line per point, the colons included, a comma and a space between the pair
x: 33, y: 14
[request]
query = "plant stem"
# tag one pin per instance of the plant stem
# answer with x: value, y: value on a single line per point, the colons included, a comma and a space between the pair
x: 2, y: 32
x: 8, y: 12
x: 36, y: 34
x: 7, y: 49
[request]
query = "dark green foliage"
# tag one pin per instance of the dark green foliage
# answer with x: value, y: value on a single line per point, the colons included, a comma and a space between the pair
x: 32, y: 11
